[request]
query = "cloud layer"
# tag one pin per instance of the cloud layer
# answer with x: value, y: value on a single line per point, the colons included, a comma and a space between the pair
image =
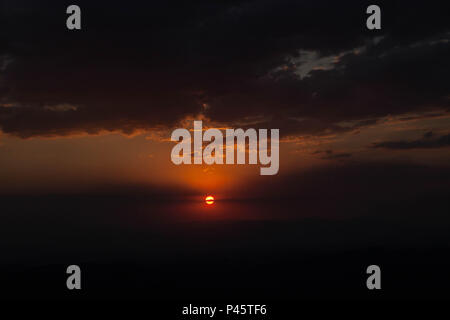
x: 303, y: 67
x: 426, y: 143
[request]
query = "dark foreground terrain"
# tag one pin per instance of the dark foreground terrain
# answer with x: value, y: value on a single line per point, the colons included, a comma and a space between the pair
x: 179, y: 251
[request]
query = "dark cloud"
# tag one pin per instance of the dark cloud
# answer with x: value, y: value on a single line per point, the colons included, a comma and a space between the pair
x: 425, y: 143
x: 428, y: 135
x: 422, y: 116
x: 333, y: 156
x: 141, y: 65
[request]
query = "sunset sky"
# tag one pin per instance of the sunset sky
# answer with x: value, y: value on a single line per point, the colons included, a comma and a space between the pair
x: 91, y: 109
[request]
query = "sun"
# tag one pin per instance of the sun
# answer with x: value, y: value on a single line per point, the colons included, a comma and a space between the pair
x: 209, y: 200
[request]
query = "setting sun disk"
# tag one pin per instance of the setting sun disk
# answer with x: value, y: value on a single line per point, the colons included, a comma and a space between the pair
x: 209, y: 200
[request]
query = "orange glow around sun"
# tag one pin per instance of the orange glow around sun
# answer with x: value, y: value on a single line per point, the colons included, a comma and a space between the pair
x: 209, y: 200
